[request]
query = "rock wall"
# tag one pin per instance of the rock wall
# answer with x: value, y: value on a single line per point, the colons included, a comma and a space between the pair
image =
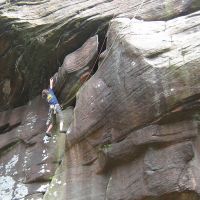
x: 134, y: 130
x: 35, y: 36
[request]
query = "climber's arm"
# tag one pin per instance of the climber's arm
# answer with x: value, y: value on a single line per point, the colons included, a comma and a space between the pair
x: 51, y: 83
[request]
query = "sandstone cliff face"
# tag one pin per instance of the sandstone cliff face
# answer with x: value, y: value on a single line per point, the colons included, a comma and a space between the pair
x: 134, y: 130
x: 36, y: 35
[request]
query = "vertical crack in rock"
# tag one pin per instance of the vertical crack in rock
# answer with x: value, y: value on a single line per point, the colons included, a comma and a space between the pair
x: 107, y: 187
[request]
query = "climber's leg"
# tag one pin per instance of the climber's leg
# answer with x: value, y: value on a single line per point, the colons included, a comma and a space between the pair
x: 49, y: 122
x: 61, y: 127
x: 49, y: 117
x: 61, y: 118
x: 48, y: 131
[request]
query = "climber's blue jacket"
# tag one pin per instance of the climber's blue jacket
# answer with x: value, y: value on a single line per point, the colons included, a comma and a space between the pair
x: 51, y: 97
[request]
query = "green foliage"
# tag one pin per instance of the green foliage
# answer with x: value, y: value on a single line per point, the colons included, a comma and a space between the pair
x: 105, y: 147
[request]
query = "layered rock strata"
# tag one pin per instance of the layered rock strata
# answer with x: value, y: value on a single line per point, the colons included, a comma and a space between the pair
x: 35, y: 36
x: 134, y: 131
x: 28, y: 158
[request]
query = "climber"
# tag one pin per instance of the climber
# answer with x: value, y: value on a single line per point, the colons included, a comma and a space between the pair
x: 54, y: 108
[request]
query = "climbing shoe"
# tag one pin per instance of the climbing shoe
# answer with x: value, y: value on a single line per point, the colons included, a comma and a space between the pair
x: 62, y: 131
x: 48, y: 134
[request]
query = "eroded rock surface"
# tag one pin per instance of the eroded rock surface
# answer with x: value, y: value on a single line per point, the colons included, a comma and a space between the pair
x: 35, y: 36
x: 134, y: 131
x: 28, y: 157
x: 77, y: 68
x: 156, y: 69
x: 154, y: 78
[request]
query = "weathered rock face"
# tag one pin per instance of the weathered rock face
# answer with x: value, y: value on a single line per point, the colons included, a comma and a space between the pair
x: 28, y: 158
x: 156, y: 68
x: 134, y: 131
x: 36, y: 35
x: 75, y: 70
x: 150, y: 76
